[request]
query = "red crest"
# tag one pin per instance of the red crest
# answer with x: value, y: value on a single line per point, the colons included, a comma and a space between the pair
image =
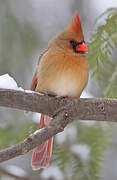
x: 75, y: 24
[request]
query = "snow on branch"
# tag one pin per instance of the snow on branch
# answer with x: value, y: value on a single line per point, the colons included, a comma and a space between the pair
x: 62, y: 110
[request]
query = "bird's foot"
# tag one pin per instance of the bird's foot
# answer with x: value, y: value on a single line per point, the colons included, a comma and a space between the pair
x: 61, y: 97
x: 51, y: 94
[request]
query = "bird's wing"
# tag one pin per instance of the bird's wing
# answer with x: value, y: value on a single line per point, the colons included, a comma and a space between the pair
x: 35, y: 77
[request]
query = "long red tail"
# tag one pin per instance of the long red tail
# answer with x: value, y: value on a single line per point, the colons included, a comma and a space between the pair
x: 42, y: 153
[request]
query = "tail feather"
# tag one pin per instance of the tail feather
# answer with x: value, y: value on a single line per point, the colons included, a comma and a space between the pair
x: 42, y: 153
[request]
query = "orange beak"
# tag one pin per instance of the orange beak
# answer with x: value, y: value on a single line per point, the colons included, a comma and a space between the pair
x: 82, y: 47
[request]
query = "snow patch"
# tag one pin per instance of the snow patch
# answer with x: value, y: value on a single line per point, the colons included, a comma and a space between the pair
x: 52, y: 172
x: 86, y: 94
x: 36, y: 117
x: 70, y: 132
x: 7, y: 82
x: 82, y: 150
x: 38, y: 131
x: 16, y: 170
x: 29, y: 91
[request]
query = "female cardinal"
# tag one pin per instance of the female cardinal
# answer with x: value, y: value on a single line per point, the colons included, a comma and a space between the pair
x: 62, y: 70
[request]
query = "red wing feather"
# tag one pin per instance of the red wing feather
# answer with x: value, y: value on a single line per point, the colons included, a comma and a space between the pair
x: 34, y: 82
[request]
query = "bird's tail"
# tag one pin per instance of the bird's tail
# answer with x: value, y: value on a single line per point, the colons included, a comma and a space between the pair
x: 42, y: 153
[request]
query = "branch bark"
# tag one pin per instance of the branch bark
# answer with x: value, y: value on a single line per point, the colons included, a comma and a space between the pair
x: 63, y: 111
x: 83, y: 109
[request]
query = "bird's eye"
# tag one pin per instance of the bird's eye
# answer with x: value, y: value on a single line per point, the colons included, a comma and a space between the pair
x: 72, y: 42
x: 75, y: 43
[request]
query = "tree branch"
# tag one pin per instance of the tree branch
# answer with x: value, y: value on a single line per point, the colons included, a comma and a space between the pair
x: 63, y: 111
x: 83, y: 109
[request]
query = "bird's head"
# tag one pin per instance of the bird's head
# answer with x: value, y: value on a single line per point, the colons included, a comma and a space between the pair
x: 72, y: 39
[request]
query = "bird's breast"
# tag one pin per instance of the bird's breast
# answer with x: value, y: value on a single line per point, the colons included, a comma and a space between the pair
x: 64, y: 85
x: 70, y: 80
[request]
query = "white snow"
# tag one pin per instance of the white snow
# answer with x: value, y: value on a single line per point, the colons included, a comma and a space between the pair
x: 7, y: 82
x: 52, y: 172
x: 69, y: 132
x: 82, y: 150
x: 16, y: 170
x: 36, y: 117
x: 38, y: 131
x: 86, y: 94
x: 29, y: 91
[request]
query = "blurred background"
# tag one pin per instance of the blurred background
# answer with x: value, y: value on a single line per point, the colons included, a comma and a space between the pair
x: 85, y: 150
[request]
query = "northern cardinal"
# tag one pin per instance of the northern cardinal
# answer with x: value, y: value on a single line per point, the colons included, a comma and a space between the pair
x: 62, y: 70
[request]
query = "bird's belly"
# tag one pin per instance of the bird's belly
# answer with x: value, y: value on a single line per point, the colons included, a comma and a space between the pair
x: 65, y: 86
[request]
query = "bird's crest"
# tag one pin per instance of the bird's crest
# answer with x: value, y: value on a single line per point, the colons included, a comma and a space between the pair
x: 75, y: 24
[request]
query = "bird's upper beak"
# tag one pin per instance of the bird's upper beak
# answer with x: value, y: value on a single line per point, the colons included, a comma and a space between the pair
x: 82, y: 48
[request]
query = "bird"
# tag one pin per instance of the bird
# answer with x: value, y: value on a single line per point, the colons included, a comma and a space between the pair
x: 62, y: 71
